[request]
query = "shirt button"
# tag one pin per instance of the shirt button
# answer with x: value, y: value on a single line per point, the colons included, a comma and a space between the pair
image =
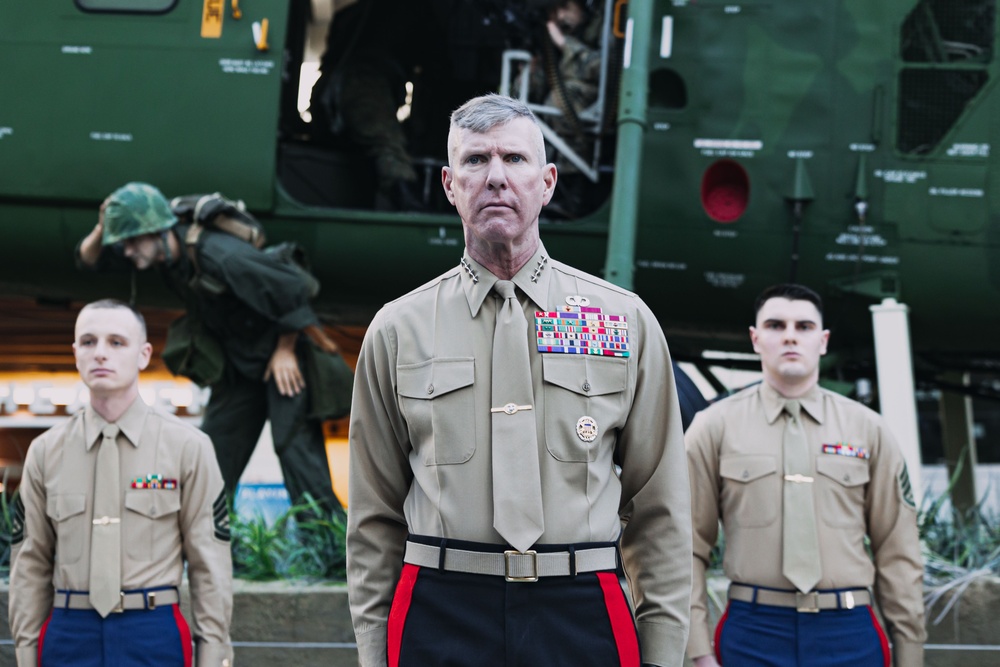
x: 586, y: 386
x: 430, y: 389
x: 847, y: 478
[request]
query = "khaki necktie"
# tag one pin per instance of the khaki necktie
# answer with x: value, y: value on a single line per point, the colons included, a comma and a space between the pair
x: 105, y: 541
x: 517, y: 486
x: 800, y: 562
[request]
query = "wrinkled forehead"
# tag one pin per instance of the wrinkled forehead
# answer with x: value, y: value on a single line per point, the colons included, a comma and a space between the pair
x: 789, y: 310
x: 519, y: 135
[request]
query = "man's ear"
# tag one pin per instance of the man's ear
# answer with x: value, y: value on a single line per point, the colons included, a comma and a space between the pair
x: 753, y: 338
x: 549, y: 178
x: 446, y: 180
x: 145, y: 355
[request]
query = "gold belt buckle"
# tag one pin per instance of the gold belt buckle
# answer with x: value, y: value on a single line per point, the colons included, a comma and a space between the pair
x: 120, y: 607
x: 507, y: 555
x: 807, y: 603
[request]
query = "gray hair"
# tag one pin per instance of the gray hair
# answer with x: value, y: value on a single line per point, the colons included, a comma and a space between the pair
x: 481, y: 114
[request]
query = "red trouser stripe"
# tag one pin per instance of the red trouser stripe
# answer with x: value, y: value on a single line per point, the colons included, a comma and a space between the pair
x: 185, y: 633
x: 622, y: 626
x: 400, y: 607
x: 718, y: 635
x: 886, y: 655
x: 41, y: 638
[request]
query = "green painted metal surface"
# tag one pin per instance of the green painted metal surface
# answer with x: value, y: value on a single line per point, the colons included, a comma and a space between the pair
x: 876, y: 120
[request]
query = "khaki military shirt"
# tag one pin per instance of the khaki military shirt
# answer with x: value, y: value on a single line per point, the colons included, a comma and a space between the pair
x: 420, y: 444
x: 861, y: 488
x: 161, y: 528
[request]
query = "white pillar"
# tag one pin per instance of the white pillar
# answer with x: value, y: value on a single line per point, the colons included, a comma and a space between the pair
x: 894, y: 364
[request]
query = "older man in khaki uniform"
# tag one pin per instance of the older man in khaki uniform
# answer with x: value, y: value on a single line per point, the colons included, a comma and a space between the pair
x: 111, y: 505
x: 799, y: 477
x: 509, y: 417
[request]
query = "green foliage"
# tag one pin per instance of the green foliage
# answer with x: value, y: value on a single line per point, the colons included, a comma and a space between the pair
x: 958, y: 548
x: 303, y: 543
x: 6, y: 529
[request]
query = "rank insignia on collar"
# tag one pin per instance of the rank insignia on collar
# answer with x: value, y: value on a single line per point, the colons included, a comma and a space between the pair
x: 581, y: 330
x: 840, y: 449
x: 153, y: 481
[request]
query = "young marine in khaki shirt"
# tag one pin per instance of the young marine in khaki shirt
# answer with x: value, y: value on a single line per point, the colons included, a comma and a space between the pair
x: 856, y: 480
x: 99, y: 544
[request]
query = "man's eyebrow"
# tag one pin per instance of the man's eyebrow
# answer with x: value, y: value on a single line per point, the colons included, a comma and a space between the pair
x: 778, y: 320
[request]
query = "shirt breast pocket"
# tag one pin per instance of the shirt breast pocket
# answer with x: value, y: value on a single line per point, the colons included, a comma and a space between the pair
x: 751, y: 492
x: 151, y: 527
x: 579, y: 386
x: 438, y: 401
x: 67, y: 512
x: 841, y: 499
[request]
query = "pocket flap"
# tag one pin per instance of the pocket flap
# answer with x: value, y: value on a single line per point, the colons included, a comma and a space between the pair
x: 842, y: 469
x: 430, y: 379
x: 586, y: 375
x: 63, y: 506
x: 153, y: 503
x: 747, y: 467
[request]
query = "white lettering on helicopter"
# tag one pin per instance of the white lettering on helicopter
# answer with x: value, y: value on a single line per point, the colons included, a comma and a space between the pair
x: 728, y: 147
x: 969, y: 150
x: 240, y: 66
x: 77, y: 50
x: 6, y: 131
x: 661, y: 126
x: 956, y: 192
x: 659, y: 264
x: 726, y: 280
x: 442, y: 239
x: 862, y: 148
x: 900, y: 176
x: 111, y: 136
x: 805, y: 155
x: 867, y: 259
x: 861, y: 235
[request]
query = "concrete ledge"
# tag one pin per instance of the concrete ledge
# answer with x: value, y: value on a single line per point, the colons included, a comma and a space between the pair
x: 293, y: 624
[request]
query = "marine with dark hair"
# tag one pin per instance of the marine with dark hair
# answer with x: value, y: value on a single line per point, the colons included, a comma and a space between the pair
x: 801, y: 478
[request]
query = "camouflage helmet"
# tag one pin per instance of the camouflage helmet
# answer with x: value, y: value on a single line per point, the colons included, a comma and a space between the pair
x: 133, y: 210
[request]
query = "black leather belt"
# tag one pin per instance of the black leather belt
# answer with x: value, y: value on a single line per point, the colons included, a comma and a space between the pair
x: 802, y: 602
x: 130, y: 600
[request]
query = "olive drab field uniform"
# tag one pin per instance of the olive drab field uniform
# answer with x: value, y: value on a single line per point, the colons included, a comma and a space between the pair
x: 859, y: 488
x: 421, y: 511
x: 245, y: 299
x: 171, y: 509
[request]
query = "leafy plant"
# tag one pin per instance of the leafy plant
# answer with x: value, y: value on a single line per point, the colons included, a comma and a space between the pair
x: 6, y: 526
x: 303, y: 543
x: 958, y: 548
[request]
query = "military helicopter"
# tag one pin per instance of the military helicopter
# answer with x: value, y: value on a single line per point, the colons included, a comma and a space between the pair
x: 846, y: 145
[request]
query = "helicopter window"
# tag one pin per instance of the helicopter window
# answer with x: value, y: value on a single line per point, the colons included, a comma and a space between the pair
x: 135, y: 6
x: 949, y: 31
